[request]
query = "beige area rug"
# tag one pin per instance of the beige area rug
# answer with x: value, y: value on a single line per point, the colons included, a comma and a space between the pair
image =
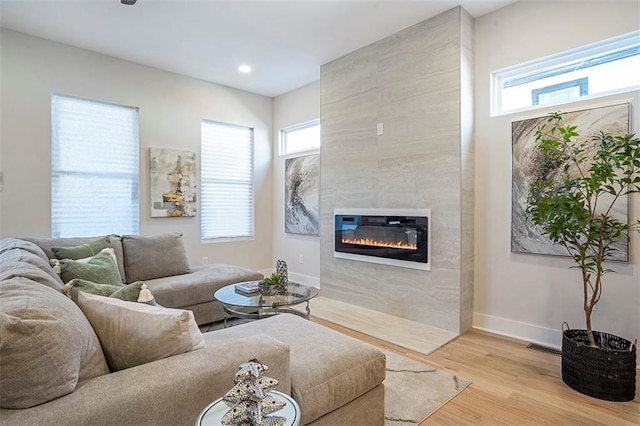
x: 414, y: 391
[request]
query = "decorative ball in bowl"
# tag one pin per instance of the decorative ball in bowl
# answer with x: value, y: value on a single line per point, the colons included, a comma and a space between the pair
x: 269, y: 285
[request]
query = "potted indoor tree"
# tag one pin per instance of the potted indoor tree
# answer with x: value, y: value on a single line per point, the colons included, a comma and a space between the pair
x: 571, y: 199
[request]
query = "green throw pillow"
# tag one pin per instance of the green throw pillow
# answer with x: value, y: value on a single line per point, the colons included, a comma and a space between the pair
x: 101, y: 268
x: 76, y: 285
x: 131, y: 292
x: 82, y: 251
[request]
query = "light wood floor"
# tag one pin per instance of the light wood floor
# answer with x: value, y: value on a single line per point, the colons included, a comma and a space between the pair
x: 512, y: 385
x: 412, y: 335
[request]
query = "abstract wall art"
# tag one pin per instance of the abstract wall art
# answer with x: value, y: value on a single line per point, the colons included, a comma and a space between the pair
x: 525, y: 236
x: 172, y: 181
x: 302, y: 195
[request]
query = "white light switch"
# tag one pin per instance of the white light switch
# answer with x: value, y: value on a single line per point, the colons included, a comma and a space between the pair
x: 380, y: 129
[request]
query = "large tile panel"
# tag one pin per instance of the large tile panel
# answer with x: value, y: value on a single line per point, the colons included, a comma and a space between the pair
x: 412, y: 83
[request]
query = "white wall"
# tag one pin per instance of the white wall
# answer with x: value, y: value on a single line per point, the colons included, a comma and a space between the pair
x: 292, y: 108
x: 529, y: 296
x: 171, y: 109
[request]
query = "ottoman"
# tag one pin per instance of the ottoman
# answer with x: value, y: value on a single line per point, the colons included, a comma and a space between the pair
x: 334, y: 378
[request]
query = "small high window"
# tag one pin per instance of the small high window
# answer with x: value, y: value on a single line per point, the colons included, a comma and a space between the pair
x: 603, y: 68
x: 299, y: 138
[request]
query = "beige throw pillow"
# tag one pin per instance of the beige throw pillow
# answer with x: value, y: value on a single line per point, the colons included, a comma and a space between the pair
x: 47, y: 346
x: 134, y: 333
x: 154, y: 256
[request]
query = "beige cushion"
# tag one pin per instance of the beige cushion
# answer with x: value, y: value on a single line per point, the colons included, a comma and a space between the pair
x: 355, y: 367
x: 154, y: 256
x: 134, y: 333
x: 22, y: 263
x: 46, y: 347
x: 199, y: 284
x: 8, y: 244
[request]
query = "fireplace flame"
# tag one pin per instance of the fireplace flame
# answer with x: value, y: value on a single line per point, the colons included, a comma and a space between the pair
x: 378, y: 243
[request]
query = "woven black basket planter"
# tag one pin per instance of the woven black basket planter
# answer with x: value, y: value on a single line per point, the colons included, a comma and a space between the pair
x: 608, y: 373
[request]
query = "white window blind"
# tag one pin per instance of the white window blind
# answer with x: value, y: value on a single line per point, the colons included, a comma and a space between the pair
x: 94, y: 170
x: 226, y: 181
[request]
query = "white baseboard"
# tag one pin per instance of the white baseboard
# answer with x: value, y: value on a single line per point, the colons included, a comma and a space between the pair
x: 519, y: 330
x: 304, y: 279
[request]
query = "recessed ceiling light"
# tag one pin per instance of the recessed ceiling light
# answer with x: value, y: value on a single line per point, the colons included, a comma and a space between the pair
x: 245, y: 69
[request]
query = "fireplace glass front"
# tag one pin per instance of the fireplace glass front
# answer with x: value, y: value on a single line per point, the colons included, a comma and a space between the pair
x: 387, y: 236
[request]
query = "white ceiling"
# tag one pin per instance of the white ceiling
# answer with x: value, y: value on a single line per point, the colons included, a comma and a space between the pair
x: 285, y: 42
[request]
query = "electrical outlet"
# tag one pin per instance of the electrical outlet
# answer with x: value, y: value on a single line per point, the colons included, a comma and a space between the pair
x: 205, y: 260
x: 300, y: 258
x: 380, y: 129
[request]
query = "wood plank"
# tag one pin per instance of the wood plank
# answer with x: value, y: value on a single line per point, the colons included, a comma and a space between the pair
x: 512, y: 384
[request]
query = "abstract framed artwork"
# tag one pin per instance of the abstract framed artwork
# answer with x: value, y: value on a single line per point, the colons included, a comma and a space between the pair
x: 302, y: 195
x: 172, y: 183
x: 525, y: 236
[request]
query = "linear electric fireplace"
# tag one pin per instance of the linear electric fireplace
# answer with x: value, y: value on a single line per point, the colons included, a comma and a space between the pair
x: 398, y: 237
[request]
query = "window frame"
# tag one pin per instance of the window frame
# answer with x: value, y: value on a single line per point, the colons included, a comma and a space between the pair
x: 283, y: 151
x: 581, y: 58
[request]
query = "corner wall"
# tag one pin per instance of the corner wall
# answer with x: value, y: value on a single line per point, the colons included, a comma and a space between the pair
x: 418, y: 83
x: 298, y: 106
x: 529, y: 296
x: 171, y: 109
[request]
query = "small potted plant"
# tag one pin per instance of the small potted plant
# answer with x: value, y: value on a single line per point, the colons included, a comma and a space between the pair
x: 269, y: 285
x: 571, y: 199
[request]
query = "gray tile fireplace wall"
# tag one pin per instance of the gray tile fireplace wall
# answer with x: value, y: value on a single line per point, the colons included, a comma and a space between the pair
x: 418, y: 83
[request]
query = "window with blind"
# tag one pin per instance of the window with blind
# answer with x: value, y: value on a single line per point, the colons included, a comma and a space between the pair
x: 226, y: 187
x: 94, y: 170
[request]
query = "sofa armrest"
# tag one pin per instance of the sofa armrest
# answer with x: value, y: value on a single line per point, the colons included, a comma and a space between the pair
x: 171, y: 391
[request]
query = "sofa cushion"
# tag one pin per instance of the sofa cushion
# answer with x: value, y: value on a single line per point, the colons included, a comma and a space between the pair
x: 131, y: 293
x: 47, y: 345
x: 154, y: 256
x: 8, y: 244
x: 328, y: 369
x: 99, y: 269
x: 134, y: 333
x: 20, y: 262
x: 199, y: 284
x: 83, y: 250
x: 47, y: 244
x: 76, y: 285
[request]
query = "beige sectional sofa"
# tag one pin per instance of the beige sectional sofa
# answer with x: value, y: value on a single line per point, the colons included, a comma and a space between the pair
x: 161, y: 262
x: 54, y: 369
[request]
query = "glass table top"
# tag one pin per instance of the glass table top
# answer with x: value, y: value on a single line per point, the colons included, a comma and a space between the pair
x: 296, y: 293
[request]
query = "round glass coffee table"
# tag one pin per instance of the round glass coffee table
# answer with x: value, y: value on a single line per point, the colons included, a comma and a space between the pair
x: 257, y: 306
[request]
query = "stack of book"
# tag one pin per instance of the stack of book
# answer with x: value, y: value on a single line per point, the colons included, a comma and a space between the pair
x: 248, y: 288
